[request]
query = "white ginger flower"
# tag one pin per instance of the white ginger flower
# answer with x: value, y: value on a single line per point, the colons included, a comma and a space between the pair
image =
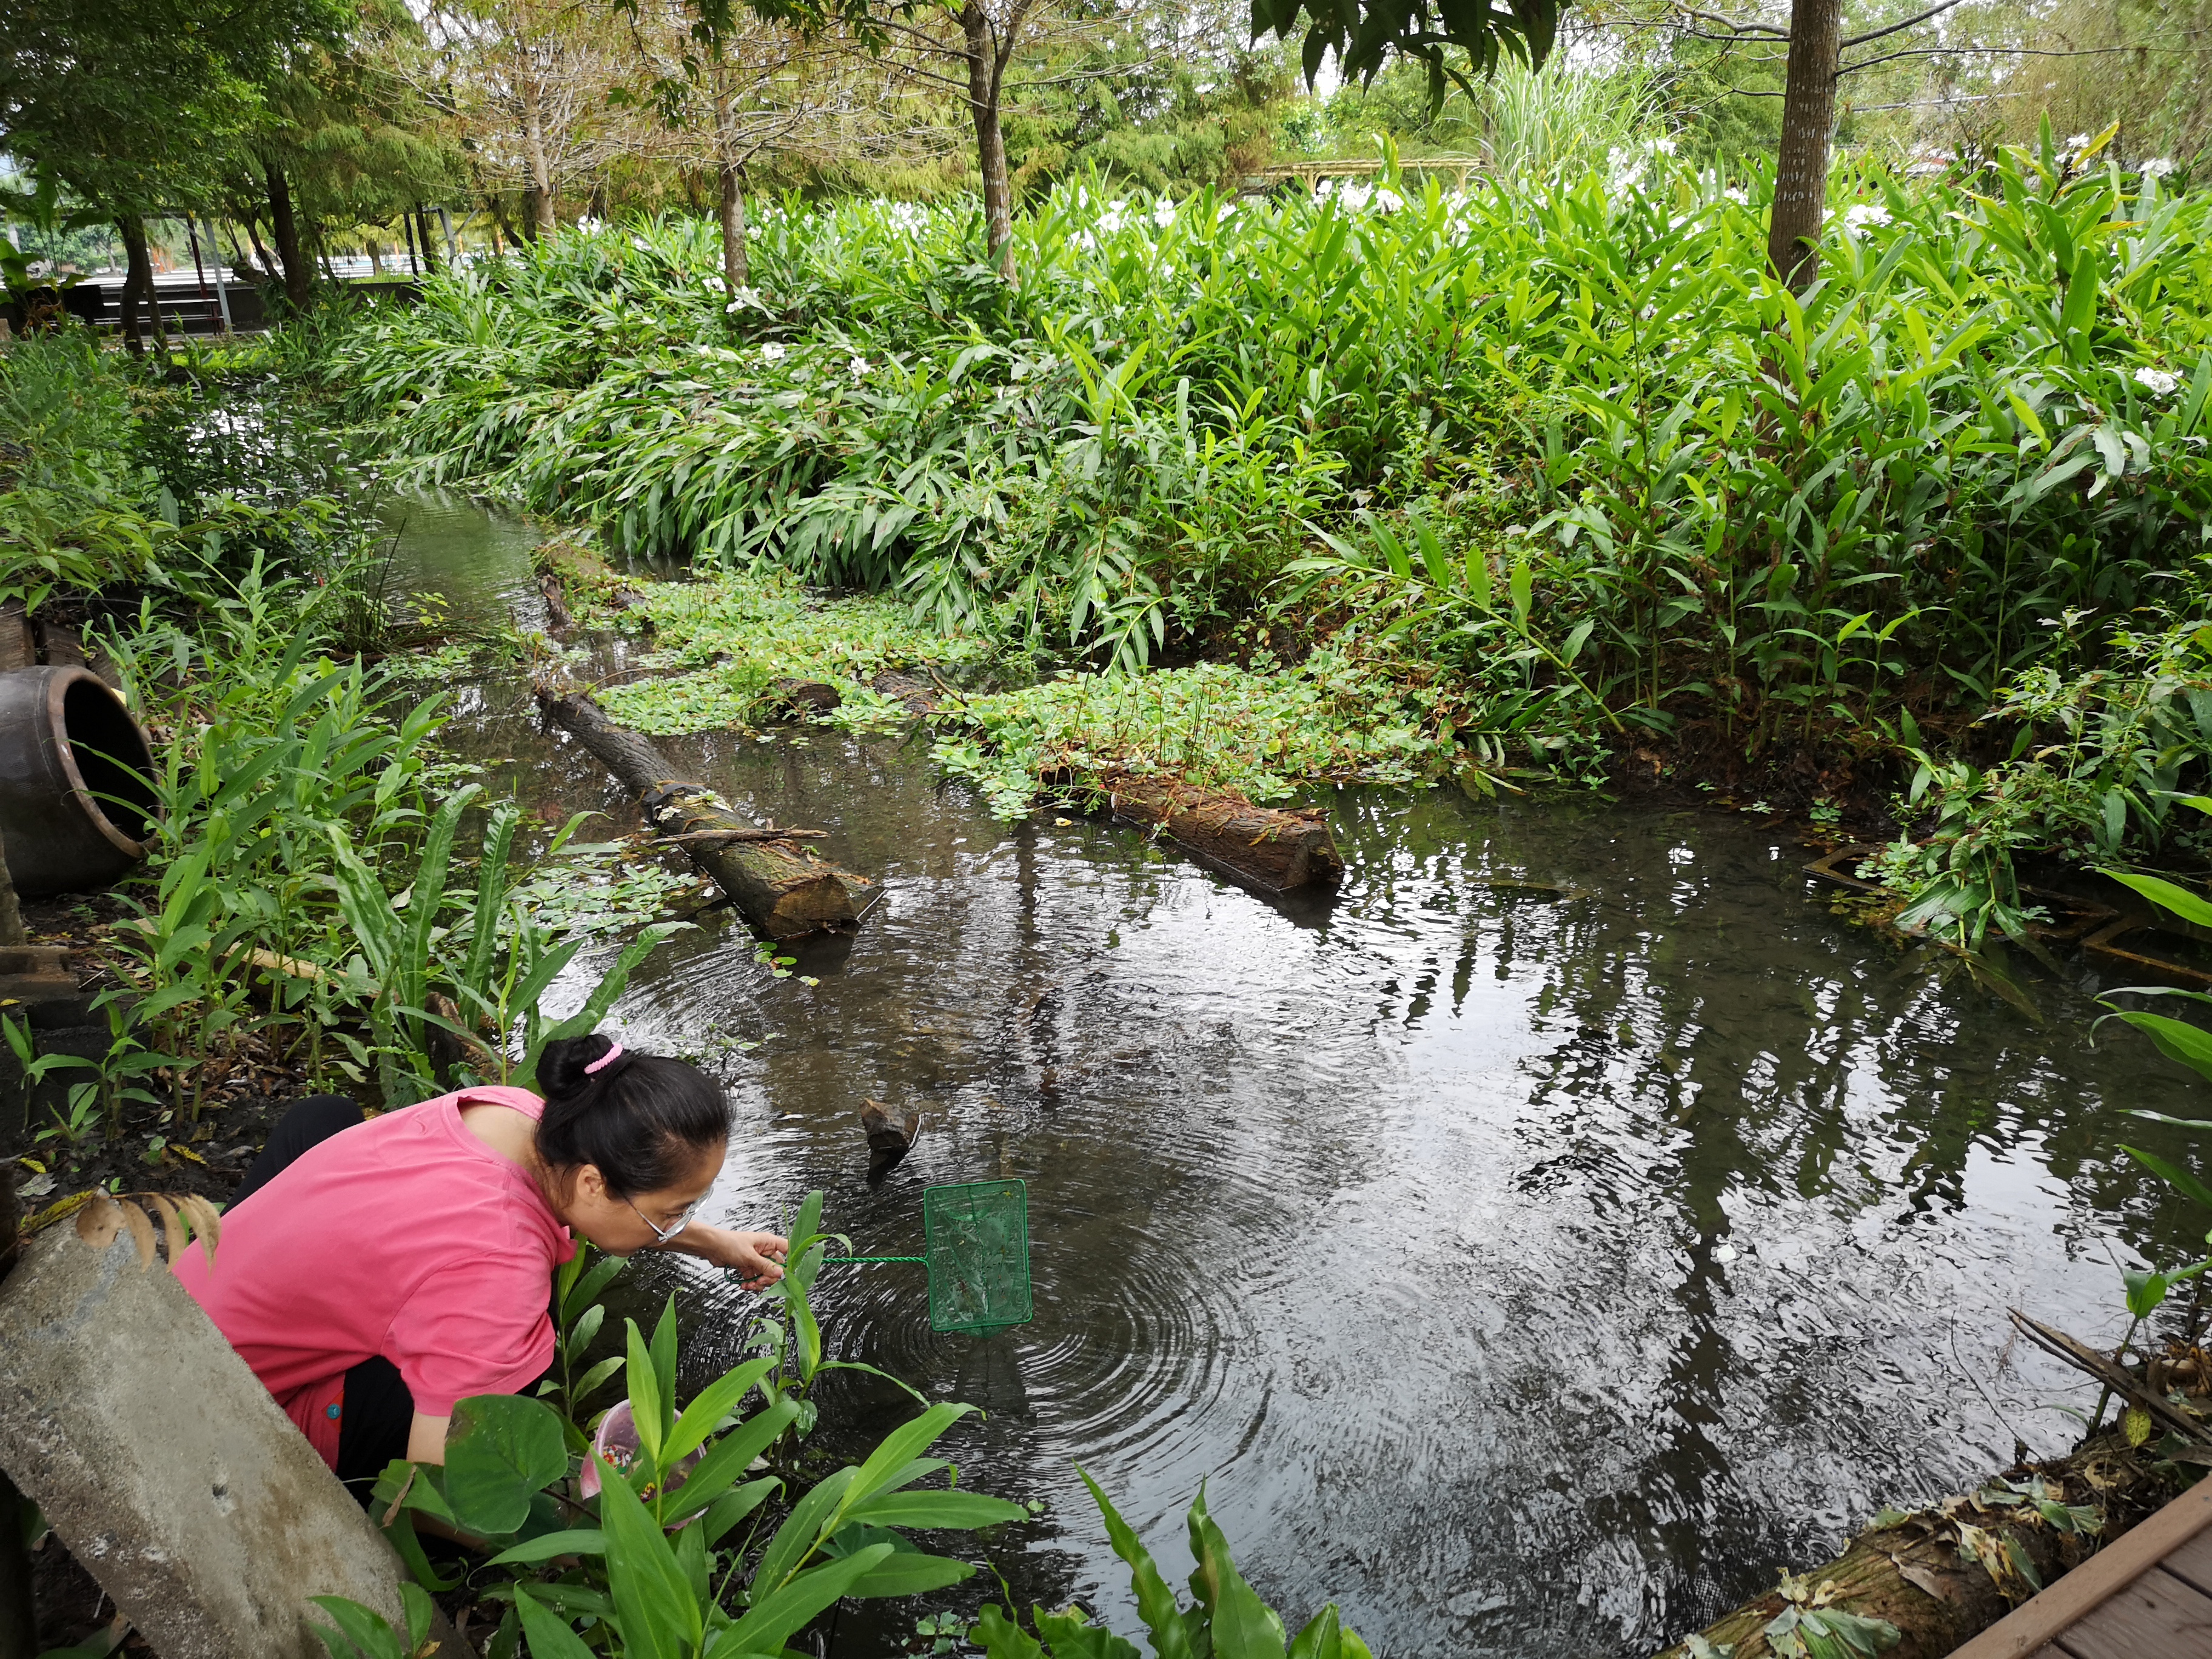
x: 860, y: 367
x: 773, y: 352
x: 1164, y: 213
x: 1860, y: 214
x: 2159, y: 382
x: 2159, y: 167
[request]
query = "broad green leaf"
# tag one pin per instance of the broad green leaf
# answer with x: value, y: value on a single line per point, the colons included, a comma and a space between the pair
x: 710, y: 1405
x: 1243, y: 1626
x: 578, y: 1541
x: 2190, y: 1045
x: 807, y: 1523
x: 728, y: 1458
x: 503, y: 1450
x: 2182, y: 1180
x: 902, y: 1446
x: 1156, y: 1602
x: 590, y: 1286
x: 362, y: 1630
x: 660, y: 1617
x: 2167, y: 897
x: 547, y: 1631
x: 644, y: 1378
x: 1321, y: 1638
x: 775, y: 1616
x: 1001, y: 1638
x: 910, y: 1572
x: 1072, y: 1636
x: 936, y: 1509
x: 735, y: 1505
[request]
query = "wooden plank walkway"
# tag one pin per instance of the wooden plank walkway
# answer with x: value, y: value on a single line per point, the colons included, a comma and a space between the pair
x: 2148, y: 1596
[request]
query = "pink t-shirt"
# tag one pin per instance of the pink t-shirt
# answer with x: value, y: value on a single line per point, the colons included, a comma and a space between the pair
x: 406, y: 1237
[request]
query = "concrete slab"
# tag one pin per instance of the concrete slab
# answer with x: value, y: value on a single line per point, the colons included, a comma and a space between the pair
x: 165, y: 1466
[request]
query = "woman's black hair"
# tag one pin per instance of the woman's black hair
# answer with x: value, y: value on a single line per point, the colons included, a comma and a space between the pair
x: 641, y: 1119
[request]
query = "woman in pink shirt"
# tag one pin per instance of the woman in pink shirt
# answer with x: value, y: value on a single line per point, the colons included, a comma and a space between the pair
x: 372, y: 1273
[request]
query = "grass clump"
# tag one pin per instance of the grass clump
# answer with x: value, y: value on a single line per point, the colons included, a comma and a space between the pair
x: 724, y: 641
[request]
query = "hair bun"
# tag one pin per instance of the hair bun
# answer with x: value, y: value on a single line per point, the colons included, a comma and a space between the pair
x: 562, y: 1063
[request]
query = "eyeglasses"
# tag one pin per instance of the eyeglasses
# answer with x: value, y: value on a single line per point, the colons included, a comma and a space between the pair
x: 661, y: 1234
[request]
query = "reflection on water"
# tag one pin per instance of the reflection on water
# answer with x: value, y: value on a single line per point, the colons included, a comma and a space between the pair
x: 1533, y: 1277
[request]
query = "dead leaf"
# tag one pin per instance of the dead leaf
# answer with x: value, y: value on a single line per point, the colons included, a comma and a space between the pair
x: 142, y: 1231
x: 1923, y: 1579
x: 206, y: 1219
x: 400, y: 1497
x: 173, y: 1229
x: 98, y: 1221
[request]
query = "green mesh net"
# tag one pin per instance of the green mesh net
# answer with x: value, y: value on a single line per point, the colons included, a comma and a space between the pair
x: 978, y: 1252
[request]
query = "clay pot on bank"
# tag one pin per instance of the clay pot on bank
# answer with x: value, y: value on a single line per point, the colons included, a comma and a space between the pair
x: 75, y: 805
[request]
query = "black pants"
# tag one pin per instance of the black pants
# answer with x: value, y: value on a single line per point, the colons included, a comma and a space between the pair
x: 377, y: 1411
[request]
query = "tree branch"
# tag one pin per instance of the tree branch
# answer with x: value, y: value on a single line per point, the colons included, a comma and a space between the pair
x: 1876, y: 34
x: 1738, y: 29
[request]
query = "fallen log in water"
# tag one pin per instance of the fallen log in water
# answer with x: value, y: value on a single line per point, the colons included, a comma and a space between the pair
x: 783, y: 887
x: 1276, y: 848
x: 1266, y: 846
x: 1944, y: 1574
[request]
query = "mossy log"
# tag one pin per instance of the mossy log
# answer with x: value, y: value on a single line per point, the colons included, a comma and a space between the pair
x: 1945, y: 1574
x: 783, y: 887
x: 1275, y: 848
x: 1268, y: 847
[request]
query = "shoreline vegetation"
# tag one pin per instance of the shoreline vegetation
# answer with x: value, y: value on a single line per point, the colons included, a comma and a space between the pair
x: 1399, y: 484
x: 1551, y: 490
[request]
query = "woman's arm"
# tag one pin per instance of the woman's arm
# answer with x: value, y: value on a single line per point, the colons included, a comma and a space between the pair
x: 425, y: 1439
x: 757, y: 1258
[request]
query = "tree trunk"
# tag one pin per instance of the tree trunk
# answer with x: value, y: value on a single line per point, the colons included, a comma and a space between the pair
x: 985, y: 63
x: 266, y: 268
x: 541, y: 169
x: 735, y: 265
x: 137, y: 285
x: 299, y: 275
x: 782, y: 886
x: 1809, y: 119
x: 422, y: 233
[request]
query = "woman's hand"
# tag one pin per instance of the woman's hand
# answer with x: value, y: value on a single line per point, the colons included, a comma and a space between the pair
x: 757, y: 1258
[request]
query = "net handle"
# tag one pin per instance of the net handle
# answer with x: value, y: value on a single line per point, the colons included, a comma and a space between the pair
x: 922, y: 1259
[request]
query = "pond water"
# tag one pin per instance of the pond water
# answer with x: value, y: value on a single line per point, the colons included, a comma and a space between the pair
x: 1531, y: 1276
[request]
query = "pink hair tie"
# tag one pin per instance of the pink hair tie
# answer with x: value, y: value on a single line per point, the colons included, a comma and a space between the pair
x: 603, y: 1061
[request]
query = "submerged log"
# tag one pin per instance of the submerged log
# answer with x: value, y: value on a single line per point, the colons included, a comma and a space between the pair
x: 920, y: 697
x: 890, y: 1137
x: 1275, y: 848
x: 556, y: 605
x: 783, y: 887
x: 582, y: 575
x: 803, y: 696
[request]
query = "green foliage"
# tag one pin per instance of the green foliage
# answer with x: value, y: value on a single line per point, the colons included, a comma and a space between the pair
x: 729, y: 637
x: 674, y: 1556
x: 1225, y: 1619
x: 1255, y: 732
